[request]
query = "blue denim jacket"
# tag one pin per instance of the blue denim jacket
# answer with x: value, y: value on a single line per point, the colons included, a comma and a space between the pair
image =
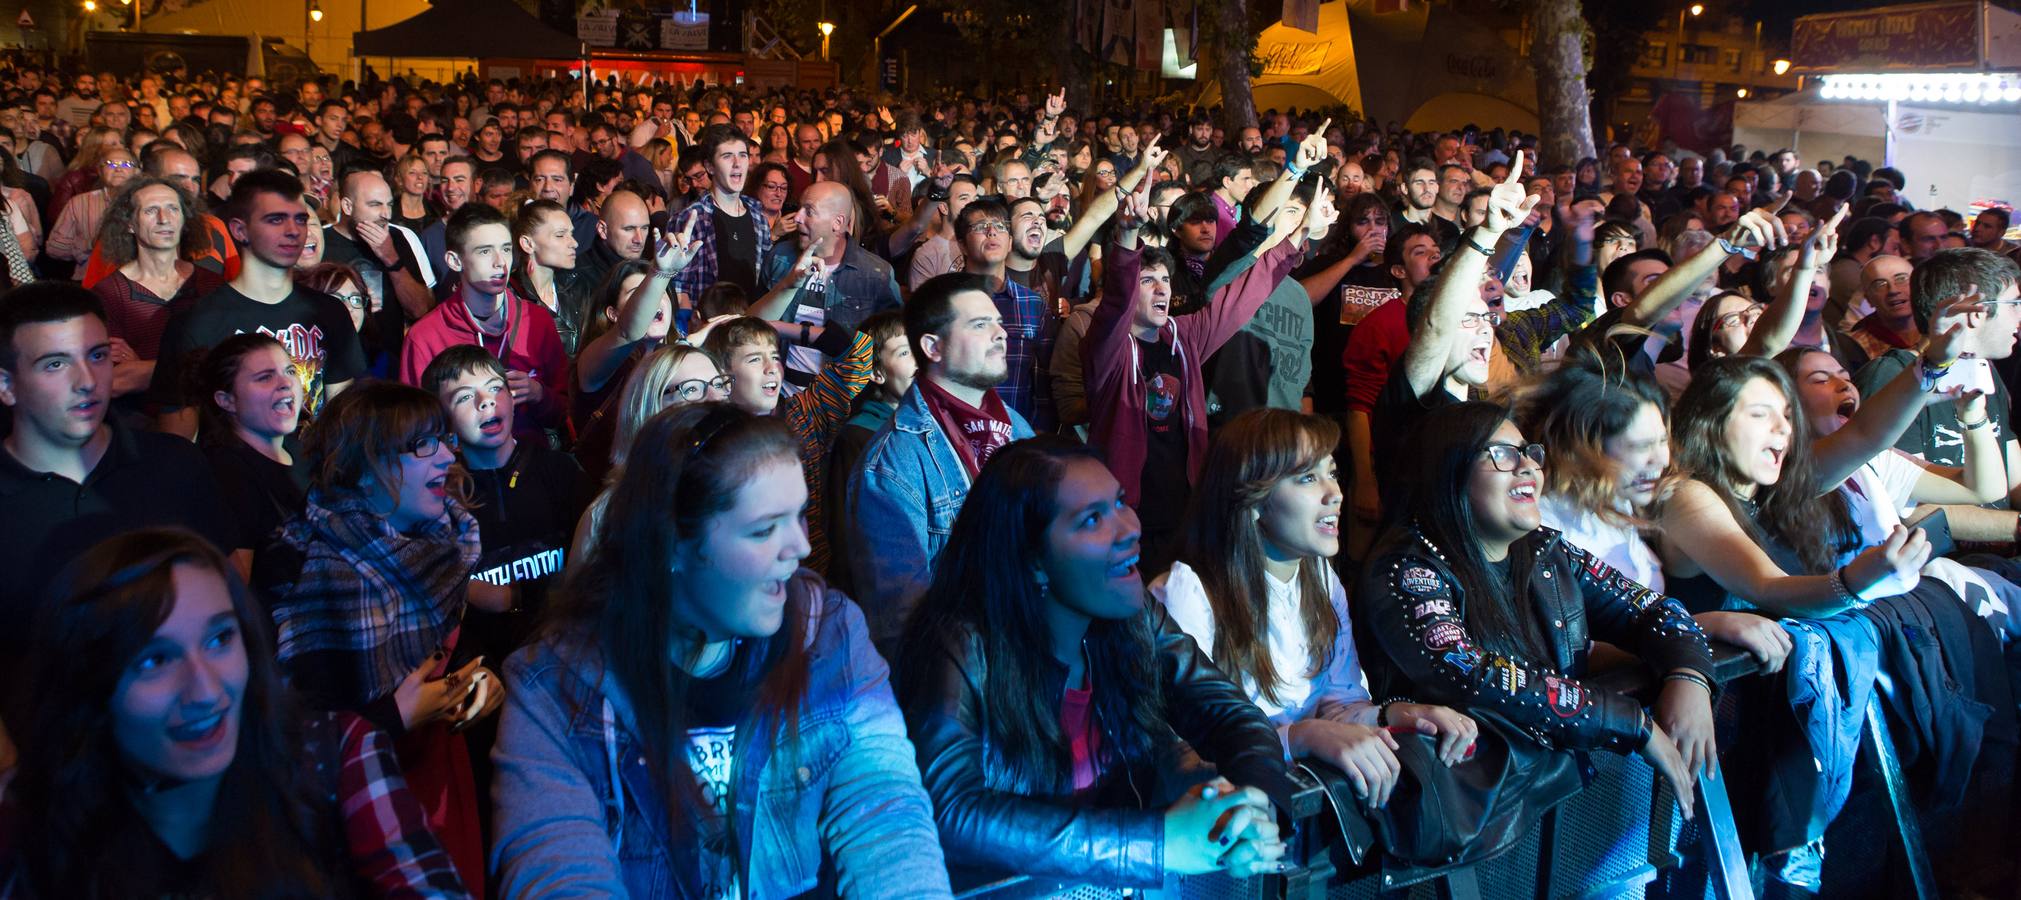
x: 903, y: 500
x: 845, y: 789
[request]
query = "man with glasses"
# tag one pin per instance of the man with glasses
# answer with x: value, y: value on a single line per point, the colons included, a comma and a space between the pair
x: 608, y: 142
x: 269, y: 221
x: 984, y: 232
x: 734, y: 238
x: 1884, y: 282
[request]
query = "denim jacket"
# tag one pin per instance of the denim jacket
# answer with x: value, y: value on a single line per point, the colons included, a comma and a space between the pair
x: 903, y: 499
x: 844, y: 792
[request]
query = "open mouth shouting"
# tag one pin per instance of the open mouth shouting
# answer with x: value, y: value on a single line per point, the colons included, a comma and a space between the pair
x: 492, y: 427
x: 439, y: 486
x: 1125, y: 567
x: 1329, y: 525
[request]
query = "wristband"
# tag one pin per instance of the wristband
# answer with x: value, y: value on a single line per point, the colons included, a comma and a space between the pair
x: 1482, y: 250
x: 1733, y: 249
x: 1382, y: 711
x: 1841, y: 591
x: 1692, y: 677
x: 1975, y: 426
x: 1295, y: 171
x: 805, y: 328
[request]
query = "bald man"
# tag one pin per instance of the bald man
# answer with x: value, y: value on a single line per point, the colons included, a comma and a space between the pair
x: 1884, y: 282
x: 621, y: 234
x: 852, y: 283
x: 389, y: 256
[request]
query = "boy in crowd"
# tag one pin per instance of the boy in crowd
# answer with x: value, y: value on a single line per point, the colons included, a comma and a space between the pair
x: 527, y: 496
x: 891, y: 373
x: 749, y: 350
x: 485, y: 312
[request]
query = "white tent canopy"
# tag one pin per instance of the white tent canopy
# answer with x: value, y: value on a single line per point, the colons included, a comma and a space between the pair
x: 1815, y: 129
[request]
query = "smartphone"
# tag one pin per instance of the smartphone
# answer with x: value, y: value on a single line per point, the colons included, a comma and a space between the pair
x: 1936, y: 525
x: 1974, y: 374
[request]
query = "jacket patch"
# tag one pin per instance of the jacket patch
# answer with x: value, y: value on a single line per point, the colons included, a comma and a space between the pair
x: 1464, y: 658
x: 1507, y: 675
x: 1566, y: 697
x: 1444, y: 634
x: 1431, y: 608
x: 1420, y: 581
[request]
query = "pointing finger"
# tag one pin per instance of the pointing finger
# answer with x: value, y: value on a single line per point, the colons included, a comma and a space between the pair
x: 1515, y: 170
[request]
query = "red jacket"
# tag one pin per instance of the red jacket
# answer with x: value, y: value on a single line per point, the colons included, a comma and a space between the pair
x: 1109, y: 357
x: 530, y: 344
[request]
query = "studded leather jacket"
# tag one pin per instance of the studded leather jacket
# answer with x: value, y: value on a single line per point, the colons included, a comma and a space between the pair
x: 1417, y: 612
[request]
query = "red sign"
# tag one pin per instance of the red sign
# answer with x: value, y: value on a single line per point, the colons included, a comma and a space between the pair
x: 1902, y: 38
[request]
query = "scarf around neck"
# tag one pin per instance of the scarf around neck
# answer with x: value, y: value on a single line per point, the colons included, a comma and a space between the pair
x: 975, y: 433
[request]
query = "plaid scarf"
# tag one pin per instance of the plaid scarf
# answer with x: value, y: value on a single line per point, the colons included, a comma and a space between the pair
x: 385, y: 598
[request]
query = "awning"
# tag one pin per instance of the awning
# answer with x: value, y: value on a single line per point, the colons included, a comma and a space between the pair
x: 468, y: 29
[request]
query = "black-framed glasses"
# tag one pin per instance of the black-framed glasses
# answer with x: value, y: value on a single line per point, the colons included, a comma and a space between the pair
x: 354, y: 301
x: 427, y: 445
x: 1747, y: 317
x: 1507, y: 457
x: 694, y: 390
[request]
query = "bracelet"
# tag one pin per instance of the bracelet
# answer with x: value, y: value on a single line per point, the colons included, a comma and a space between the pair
x: 1295, y: 171
x: 1382, y: 710
x: 1482, y: 250
x: 1840, y: 591
x: 1733, y: 249
x: 1984, y: 421
x: 1692, y: 677
x: 805, y: 327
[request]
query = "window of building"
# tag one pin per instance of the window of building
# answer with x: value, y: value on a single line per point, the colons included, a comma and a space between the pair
x: 1730, y: 59
x: 1655, y: 55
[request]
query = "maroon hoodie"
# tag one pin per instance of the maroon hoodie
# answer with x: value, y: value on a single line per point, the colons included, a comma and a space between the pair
x: 530, y: 344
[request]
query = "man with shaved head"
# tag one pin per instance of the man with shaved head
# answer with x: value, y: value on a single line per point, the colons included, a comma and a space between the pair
x: 822, y: 282
x: 387, y: 256
x: 1884, y: 282
x: 621, y: 234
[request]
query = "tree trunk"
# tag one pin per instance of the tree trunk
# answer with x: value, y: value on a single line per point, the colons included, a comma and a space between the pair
x: 1563, y: 112
x: 1075, y: 72
x: 1226, y: 31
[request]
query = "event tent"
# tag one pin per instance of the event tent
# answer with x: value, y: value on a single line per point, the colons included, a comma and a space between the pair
x: 1304, y: 69
x: 1815, y: 129
x: 468, y: 29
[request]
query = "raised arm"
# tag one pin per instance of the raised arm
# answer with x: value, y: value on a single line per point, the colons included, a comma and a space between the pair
x: 1758, y: 229
x: 599, y: 359
x: 1105, y: 203
x: 1783, y: 317
x: 1424, y: 362
x: 1883, y: 417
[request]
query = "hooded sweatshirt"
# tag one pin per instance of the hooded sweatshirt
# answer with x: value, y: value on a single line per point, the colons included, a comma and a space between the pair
x: 530, y: 344
x: 1116, y: 393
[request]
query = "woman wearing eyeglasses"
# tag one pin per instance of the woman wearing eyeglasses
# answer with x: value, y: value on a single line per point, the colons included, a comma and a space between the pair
x: 342, y: 281
x: 368, y: 588
x: 768, y: 186
x: 667, y: 376
x: 77, y: 224
x: 1479, y: 607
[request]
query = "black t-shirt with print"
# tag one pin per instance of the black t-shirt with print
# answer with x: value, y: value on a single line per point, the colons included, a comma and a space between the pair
x: 526, y: 512
x: 737, y: 251
x: 313, y: 326
x: 1398, y: 409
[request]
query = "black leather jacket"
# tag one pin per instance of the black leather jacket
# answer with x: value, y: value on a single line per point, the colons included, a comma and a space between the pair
x: 1418, y: 616
x: 1113, y: 835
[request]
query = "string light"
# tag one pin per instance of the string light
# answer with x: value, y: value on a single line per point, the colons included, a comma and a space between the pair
x: 1966, y: 87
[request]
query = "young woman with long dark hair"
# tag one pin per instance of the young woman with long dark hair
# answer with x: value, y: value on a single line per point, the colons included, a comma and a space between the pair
x: 1254, y: 585
x: 702, y: 714
x: 1048, y: 703
x: 154, y: 730
x: 1477, y: 605
x: 249, y: 406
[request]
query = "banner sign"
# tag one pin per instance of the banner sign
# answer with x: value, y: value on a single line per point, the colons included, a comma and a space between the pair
x: 1915, y: 38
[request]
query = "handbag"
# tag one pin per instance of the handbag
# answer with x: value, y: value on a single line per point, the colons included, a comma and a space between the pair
x: 1440, y: 817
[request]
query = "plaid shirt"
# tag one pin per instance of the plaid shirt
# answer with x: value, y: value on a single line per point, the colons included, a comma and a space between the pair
x: 1032, y: 328
x: 701, y: 273
x: 1526, y: 334
x: 816, y: 415
x: 386, y: 836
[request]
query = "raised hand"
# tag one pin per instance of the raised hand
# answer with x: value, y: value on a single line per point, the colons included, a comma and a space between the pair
x: 1508, y: 203
x: 1313, y: 149
x: 1154, y: 155
x: 1948, y: 323
x: 1824, y: 240
x: 1056, y: 104
x: 1760, y: 227
x: 672, y: 255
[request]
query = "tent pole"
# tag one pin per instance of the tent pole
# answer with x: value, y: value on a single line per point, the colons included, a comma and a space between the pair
x: 1888, y: 136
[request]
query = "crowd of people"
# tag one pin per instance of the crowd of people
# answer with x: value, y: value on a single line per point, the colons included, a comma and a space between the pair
x: 538, y: 489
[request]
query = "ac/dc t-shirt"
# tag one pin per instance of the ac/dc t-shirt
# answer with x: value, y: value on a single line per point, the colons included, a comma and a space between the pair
x: 313, y: 326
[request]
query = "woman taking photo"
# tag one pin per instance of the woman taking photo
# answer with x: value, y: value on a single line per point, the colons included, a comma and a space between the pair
x: 249, y: 404
x: 1476, y: 605
x: 700, y: 709
x: 158, y: 732
x: 1048, y: 704
x: 368, y: 588
x: 1254, y: 585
